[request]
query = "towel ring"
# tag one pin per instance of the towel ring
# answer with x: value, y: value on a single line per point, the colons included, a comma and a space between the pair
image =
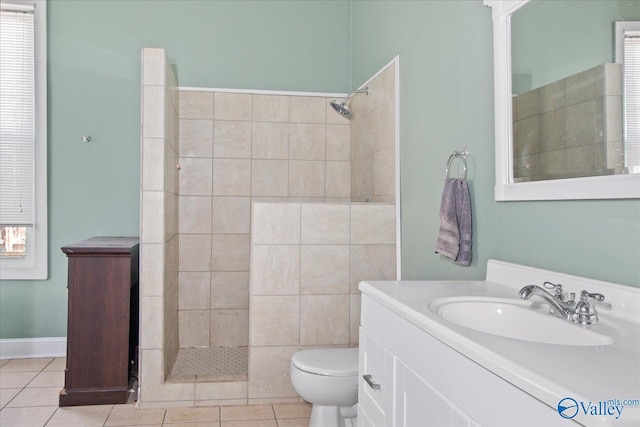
x: 462, y: 155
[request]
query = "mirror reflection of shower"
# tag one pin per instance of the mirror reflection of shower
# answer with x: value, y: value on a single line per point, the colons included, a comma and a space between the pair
x: 342, y: 107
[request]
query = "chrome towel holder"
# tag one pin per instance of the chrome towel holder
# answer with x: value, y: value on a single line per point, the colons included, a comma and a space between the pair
x: 462, y: 155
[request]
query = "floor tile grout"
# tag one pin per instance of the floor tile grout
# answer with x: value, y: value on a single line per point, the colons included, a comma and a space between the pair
x: 34, y: 407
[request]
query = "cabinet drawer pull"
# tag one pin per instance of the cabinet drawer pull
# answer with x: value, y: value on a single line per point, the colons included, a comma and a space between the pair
x: 369, y: 381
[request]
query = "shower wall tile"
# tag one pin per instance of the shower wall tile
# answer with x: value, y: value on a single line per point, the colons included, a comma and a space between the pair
x: 231, y: 177
x: 324, y: 269
x: 354, y: 319
x: 579, y: 125
x: 194, y: 290
x: 270, y: 178
x: 152, y: 336
x: 269, y: 372
x: 269, y: 140
x: 551, y: 96
x: 153, y: 66
x: 612, y: 85
x: 196, y: 138
x: 193, y: 328
x: 338, y: 142
x: 613, y: 118
x: 552, y: 163
x: 362, y: 178
x: 231, y: 106
x: 308, y: 109
x: 552, y: 130
x: 371, y: 262
x: 325, y: 223
x: 307, y: 141
x: 275, y: 270
x: 232, y: 139
x: 324, y: 319
x: 270, y: 108
x: 306, y: 178
x: 231, y: 215
x: 276, y: 320
x: 384, y: 126
x: 230, y: 252
x: 580, y: 87
x: 229, y: 290
x: 384, y: 180
x: 195, y: 214
x: 153, y: 164
x: 574, y: 133
x: 338, y: 179
x: 374, y: 224
x: 300, y: 293
x: 229, y: 328
x: 153, y: 111
x: 527, y: 104
x: 206, y: 392
x: 275, y: 223
x: 196, y: 105
x: 195, y: 252
x: 196, y: 176
x: 151, y: 277
x: 527, y: 136
x: 152, y: 217
x: 372, y: 140
x: 581, y: 159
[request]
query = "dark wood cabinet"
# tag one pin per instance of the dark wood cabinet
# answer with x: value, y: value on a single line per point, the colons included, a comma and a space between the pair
x: 102, y: 328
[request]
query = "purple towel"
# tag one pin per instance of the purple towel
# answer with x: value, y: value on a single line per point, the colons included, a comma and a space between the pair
x: 454, y: 237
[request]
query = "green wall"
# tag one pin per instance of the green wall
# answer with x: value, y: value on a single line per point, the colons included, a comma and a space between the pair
x: 446, y: 103
x: 94, y: 89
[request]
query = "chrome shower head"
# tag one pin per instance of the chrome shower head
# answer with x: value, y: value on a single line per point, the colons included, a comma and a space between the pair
x: 342, y: 107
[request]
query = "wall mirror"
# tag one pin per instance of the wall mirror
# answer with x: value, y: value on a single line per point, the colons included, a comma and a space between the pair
x: 560, y: 110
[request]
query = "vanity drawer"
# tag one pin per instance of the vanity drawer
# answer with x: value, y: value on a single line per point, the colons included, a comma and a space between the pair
x: 375, y: 381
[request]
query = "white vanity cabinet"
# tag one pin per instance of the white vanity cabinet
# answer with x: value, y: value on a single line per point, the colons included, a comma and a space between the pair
x: 424, y: 382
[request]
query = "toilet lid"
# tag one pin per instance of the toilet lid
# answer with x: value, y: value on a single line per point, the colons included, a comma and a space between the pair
x: 327, y: 361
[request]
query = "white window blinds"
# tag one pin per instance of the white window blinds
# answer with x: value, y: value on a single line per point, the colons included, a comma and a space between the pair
x: 632, y: 99
x: 17, y: 95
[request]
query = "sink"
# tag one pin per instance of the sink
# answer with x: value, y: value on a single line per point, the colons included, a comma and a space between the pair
x: 510, y: 318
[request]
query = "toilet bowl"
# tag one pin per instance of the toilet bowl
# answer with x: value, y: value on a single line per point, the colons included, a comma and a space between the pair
x: 328, y: 379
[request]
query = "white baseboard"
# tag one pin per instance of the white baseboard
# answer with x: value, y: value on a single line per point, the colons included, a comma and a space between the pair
x: 29, y: 348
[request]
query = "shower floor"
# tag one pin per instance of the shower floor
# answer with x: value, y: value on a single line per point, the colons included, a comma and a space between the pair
x: 210, y: 364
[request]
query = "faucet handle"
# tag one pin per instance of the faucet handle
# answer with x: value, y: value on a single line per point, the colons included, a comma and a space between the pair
x: 595, y: 296
x: 598, y: 298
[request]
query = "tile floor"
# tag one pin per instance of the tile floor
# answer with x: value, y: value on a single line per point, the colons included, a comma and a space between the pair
x: 29, y: 398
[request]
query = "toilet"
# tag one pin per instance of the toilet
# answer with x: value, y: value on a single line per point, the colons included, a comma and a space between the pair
x: 328, y: 379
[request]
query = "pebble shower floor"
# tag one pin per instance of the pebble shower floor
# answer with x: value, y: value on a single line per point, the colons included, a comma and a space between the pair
x: 216, y: 363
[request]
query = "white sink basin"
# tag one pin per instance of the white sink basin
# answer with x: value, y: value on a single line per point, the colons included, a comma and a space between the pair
x: 515, y: 319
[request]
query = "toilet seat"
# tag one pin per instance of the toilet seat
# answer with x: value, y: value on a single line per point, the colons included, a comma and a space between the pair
x: 336, y: 362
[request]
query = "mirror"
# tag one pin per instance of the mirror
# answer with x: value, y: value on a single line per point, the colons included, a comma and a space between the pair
x: 551, y: 138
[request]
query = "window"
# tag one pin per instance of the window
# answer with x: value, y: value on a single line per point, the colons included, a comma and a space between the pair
x: 23, y: 140
x: 628, y: 53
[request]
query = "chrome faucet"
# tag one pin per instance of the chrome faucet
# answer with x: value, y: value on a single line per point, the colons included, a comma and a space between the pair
x: 582, y: 312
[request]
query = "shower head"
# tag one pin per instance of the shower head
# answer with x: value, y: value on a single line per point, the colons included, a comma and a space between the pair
x: 342, y: 107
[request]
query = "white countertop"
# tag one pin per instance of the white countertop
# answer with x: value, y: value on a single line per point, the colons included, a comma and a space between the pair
x: 546, y: 371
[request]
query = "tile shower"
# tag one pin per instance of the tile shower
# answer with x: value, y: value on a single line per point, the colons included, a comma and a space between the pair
x: 216, y: 165
x: 571, y: 127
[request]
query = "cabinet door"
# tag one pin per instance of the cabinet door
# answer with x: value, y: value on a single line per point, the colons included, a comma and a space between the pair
x: 419, y: 404
x: 375, y: 400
